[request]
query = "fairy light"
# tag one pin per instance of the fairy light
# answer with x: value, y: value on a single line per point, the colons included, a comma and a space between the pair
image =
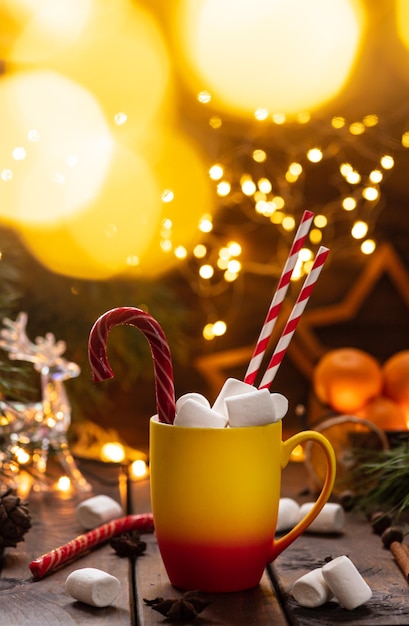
x: 370, y: 193
x: 376, y: 176
x: 204, y: 97
x: 279, y: 118
x: 265, y: 208
x: 6, y: 174
x: 215, y: 122
x: 405, y: 139
x: 320, y: 220
x: 260, y: 156
x: 222, y: 263
x: 345, y: 169
x: 219, y: 328
x: 248, y: 185
x: 314, y: 155
x: 261, y: 114
x: 368, y: 246
x: 21, y: 455
x: 19, y: 153
x: 167, y: 195
x: 208, y: 332
x: 357, y: 128
x: 64, y: 484
x: 206, y: 271
x: 120, y: 118
x: 180, y: 252
x: 295, y: 169
x: 387, y: 162
x: 315, y: 236
x: 349, y: 203
x: 353, y: 177
x: 206, y: 224
x: 216, y: 172
x: 234, y: 266
x: 199, y: 251
x: 113, y: 452
x: 370, y: 120
x: 359, y: 229
x: 138, y: 469
x: 234, y: 248
x: 288, y: 223
x: 304, y: 118
x: 264, y: 185
x: 223, y: 188
x: 338, y: 122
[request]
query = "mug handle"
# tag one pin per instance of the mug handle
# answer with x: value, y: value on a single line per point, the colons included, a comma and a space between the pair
x: 287, y: 447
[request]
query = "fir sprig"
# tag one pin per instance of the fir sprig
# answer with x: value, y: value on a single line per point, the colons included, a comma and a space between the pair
x: 382, y: 480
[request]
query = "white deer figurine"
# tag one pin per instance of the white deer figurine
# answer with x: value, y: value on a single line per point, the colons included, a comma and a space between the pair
x: 48, y: 427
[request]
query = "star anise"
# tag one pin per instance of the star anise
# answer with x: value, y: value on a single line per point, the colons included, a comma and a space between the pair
x: 15, y: 519
x: 184, y: 609
x: 128, y: 544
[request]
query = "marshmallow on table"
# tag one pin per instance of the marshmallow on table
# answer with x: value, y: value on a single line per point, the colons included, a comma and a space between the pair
x: 288, y: 514
x: 311, y: 590
x: 330, y: 519
x: 98, y: 510
x: 346, y: 583
x: 92, y: 586
x: 194, y: 414
x: 231, y: 387
x: 254, y: 408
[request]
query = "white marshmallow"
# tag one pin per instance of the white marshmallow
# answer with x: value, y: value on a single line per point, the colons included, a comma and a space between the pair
x: 251, y: 409
x: 98, y: 510
x: 92, y: 586
x: 346, y: 583
x: 311, y: 590
x: 288, y: 514
x: 280, y: 405
x: 192, y: 396
x: 196, y: 415
x: 232, y: 387
x: 330, y: 519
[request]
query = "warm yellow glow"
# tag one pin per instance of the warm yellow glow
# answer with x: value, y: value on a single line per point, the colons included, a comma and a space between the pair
x: 283, y: 57
x: 359, y: 229
x: 278, y: 202
x: 234, y: 266
x: 229, y: 276
x: 180, y: 252
x: 223, y: 188
x: 34, y: 30
x: 295, y: 169
x: 375, y: 176
x: 353, y: 177
x: 279, y: 118
x: 21, y: 455
x: 288, y: 223
x: 199, y: 251
x: 314, y: 155
x: 368, y: 246
x: 259, y: 156
x: 64, y: 484
x: 387, y: 162
x: 206, y: 224
x: 402, y: 20
x: 338, y: 122
x: 264, y: 185
x: 113, y: 452
x: 405, y: 139
x: 215, y: 122
x: 261, y: 114
x: 219, y: 328
x: 234, y: 248
x: 349, y: 203
x: 357, y: 128
x: 370, y: 120
x: 315, y: 236
x: 248, y: 187
x: 298, y: 454
x: 138, y: 469
x: 320, y: 220
x: 204, y: 97
x: 216, y: 172
x: 56, y: 148
x: 208, y: 332
x: 345, y: 169
x: 370, y: 193
x: 206, y: 271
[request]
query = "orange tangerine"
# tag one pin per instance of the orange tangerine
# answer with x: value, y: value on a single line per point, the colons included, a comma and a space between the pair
x: 384, y: 413
x: 346, y: 379
x: 396, y: 379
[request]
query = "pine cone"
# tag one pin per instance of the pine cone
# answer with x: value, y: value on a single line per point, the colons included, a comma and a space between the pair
x: 15, y: 520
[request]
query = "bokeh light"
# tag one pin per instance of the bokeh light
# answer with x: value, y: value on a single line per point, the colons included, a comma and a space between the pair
x: 55, y: 148
x: 278, y: 57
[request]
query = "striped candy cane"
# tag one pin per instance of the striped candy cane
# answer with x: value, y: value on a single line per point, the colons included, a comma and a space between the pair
x: 162, y: 360
x: 278, y: 298
x: 294, y: 318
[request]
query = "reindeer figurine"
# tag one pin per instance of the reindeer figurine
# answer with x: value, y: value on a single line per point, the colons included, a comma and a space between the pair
x: 47, y: 428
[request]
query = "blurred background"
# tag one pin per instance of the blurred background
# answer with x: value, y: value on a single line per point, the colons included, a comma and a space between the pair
x: 161, y: 155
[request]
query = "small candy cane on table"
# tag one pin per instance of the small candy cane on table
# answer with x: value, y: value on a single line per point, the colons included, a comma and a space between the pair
x: 83, y: 543
x: 162, y: 359
x: 294, y: 318
x: 278, y: 298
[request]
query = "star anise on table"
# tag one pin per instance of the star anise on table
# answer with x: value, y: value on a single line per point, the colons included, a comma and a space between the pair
x: 128, y: 544
x: 185, y: 608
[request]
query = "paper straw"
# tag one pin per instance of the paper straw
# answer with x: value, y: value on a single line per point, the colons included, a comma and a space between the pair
x: 278, y: 298
x: 294, y: 318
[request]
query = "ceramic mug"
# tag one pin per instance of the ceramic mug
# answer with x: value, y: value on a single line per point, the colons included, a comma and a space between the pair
x: 215, y: 495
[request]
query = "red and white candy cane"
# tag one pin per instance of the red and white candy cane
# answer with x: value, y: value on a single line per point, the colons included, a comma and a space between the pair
x: 162, y: 359
x: 278, y: 298
x: 77, y: 547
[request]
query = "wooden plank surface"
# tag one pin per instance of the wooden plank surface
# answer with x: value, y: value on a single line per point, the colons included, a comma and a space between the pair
x: 389, y: 605
x: 45, y: 602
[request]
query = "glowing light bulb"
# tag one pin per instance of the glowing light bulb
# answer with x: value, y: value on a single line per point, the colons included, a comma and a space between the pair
x: 219, y: 328
x: 370, y: 193
x: 261, y: 114
x: 208, y: 332
x: 234, y: 248
x: 376, y: 176
x: 199, y: 251
x: 204, y: 97
x: 314, y: 155
x: 216, y: 172
x: 64, y: 484
x: 288, y: 223
x: 387, y: 162
x: 259, y: 156
x: 349, y: 203
x: 206, y: 271
x: 113, y: 452
x: 353, y: 177
x: 223, y: 188
x: 264, y: 185
x: 359, y: 229
x: 357, y: 128
x: 138, y: 469
x: 320, y: 221
x: 368, y: 246
x: 206, y: 224
x: 180, y: 252
x: 338, y: 122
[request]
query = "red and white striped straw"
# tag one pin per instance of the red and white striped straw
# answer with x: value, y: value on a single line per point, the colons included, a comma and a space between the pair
x: 294, y: 318
x: 278, y: 298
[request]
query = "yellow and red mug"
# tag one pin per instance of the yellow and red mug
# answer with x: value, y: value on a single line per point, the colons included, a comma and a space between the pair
x: 215, y: 495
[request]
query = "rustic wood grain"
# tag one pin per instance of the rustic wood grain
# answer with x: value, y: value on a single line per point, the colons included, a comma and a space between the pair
x: 45, y: 602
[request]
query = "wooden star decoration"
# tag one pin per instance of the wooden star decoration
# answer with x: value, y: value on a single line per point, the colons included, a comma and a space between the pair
x: 378, y: 295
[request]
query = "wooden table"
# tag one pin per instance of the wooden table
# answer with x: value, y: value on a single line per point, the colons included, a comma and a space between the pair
x: 44, y: 602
